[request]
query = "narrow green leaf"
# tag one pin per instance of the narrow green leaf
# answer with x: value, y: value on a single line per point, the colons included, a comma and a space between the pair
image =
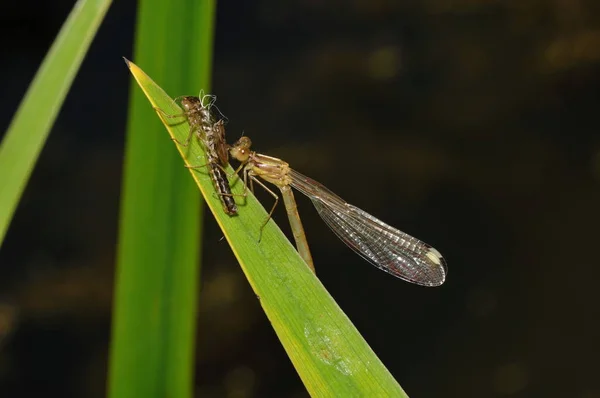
x: 154, y: 317
x: 31, y: 124
x: 331, y: 357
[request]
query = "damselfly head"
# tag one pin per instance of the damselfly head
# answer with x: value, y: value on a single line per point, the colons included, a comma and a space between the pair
x: 241, y: 149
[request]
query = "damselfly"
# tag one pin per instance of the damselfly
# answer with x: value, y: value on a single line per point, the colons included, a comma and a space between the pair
x: 385, y: 247
x: 211, y: 132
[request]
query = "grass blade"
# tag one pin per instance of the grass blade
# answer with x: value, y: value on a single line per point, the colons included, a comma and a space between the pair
x: 154, y: 328
x: 31, y: 124
x: 328, y: 352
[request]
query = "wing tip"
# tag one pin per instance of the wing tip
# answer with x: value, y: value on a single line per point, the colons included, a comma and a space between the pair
x: 440, y: 264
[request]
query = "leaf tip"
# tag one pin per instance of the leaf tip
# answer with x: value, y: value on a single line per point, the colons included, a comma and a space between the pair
x: 127, y: 62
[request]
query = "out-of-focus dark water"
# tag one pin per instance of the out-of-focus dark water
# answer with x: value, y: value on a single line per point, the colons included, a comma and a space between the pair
x: 472, y: 125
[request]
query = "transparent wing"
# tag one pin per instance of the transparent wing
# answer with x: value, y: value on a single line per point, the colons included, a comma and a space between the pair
x: 385, y: 247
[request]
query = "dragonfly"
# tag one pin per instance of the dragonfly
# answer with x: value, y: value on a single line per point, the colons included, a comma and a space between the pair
x: 386, y: 247
x: 200, y: 115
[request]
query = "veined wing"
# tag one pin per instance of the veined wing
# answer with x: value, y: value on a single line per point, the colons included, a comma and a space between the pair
x: 387, y: 248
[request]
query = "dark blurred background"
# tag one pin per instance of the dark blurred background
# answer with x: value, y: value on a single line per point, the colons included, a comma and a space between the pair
x: 471, y: 124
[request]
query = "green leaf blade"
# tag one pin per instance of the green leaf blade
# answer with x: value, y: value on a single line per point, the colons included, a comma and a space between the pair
x: 154, y: 318
x: 328, y: 352
x: 37, y: 112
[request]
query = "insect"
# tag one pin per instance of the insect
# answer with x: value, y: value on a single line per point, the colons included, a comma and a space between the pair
x: 385, y: 247
x: 211, y: 132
